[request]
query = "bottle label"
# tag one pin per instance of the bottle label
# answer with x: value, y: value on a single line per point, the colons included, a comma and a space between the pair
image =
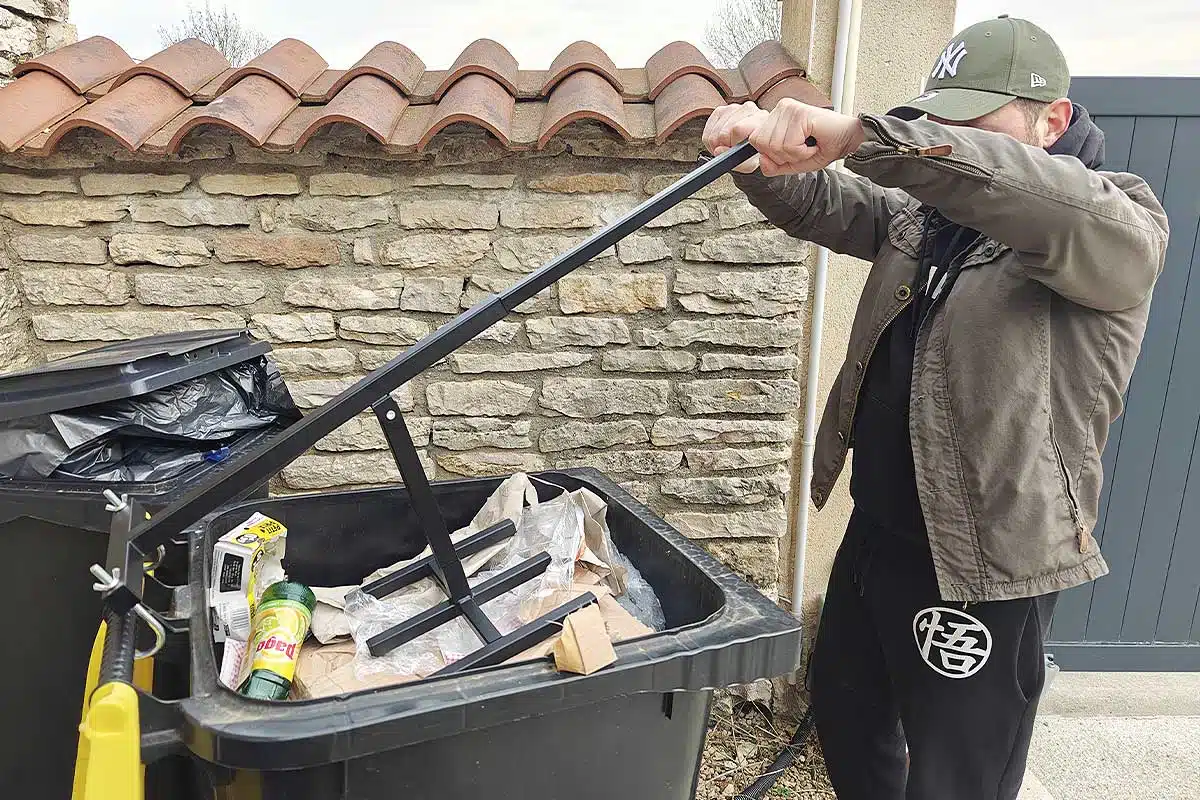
x: 279, y: 630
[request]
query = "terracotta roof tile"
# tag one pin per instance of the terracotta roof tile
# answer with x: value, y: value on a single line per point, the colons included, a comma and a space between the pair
x: 676, y: 60
x: 188, y: 66
x: 684, y: 99
x: 583, y: 95
x: 81, y: 65
x: 29, y: 105
x: 285, y: 96
x: 482, y: 57
x: 477, y: 99
x: 291, y: 63
x: 580, y: 56
x: 131, y: 113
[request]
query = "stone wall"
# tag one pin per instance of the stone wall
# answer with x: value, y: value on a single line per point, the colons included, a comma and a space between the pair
x: 670, y: 364
x: 29, y: 28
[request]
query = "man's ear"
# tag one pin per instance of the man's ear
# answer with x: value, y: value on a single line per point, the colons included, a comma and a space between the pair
x: 1057, y: 119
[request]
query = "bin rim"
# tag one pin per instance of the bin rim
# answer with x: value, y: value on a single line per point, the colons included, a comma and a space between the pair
x: 748, y: 638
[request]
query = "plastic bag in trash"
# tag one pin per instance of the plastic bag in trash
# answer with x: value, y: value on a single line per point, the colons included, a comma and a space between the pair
x: 151, y: 437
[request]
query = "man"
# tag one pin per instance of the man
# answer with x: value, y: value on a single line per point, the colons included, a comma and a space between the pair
x: 991, y: 348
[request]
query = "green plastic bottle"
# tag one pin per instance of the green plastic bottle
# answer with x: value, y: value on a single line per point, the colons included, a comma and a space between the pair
x: 281, y: 623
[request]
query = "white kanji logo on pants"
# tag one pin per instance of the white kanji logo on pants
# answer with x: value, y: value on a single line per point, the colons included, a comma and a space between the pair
x: 953, y: 643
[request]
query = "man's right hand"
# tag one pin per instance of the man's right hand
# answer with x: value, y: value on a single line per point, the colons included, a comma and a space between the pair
x: 733, y: 124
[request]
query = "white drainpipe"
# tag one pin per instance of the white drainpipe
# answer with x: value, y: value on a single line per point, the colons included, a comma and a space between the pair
x: 845, y: 59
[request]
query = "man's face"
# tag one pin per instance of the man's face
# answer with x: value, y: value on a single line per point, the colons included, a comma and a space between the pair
x: 1008, y: 119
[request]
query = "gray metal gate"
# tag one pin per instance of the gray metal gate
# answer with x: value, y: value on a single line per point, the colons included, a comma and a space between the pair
x: 1144, y: 614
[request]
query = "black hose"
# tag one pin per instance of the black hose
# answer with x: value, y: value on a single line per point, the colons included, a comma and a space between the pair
x: 786, y: 757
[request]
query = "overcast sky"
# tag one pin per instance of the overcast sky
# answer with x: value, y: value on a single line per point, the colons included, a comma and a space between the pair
x: 1100, y: 37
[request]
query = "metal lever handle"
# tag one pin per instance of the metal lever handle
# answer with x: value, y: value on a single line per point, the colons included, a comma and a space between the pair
x: 106, y: 582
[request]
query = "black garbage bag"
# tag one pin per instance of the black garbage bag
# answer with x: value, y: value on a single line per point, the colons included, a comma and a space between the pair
x: 151, y: 437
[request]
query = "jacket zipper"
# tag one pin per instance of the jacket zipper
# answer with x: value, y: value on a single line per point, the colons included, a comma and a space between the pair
x: 1076, y: 515
x: 935, y: 152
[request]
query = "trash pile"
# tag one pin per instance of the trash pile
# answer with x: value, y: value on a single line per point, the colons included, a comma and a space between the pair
x: 268, y: 636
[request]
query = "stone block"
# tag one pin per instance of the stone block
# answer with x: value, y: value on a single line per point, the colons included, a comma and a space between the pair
x: 637, y: 462
x: 554, y: 332
x: 559, y: 214
x: 763, y: 293
x: 165, y: 251
x: 43, y: 9
x: 103, y: 184
x: 64, y: 213
x: 726, y: 491
x: 730, y: 332
x: 363, y: 433
x: 471, y: 363
x: 60, y: 249
x: 714, y: 362
x: 736, y: 458
x: 527, y: 253
x: 643, y: 491
x: 470, y: 434
x: 597, y: 435
x: 721, y: 187
x: 582, y: 183
x: 757, y: 561
x: 648, y: 361
x: 440, y: 250
x: 484, y: 464
x: 767, y: 522
x: 480, y: 287
x: 597, y: 397
x: 21, y: 183
x: 440, y: 295
x: 197, y: 290
x: 736, y: 213
x: 74, y: 287
x: 739, y: 396
x: 341, y: 294
x: 364, y: 252
x: 642, y: 249
x: 300, y: 360
x: 293, y: 327
x: 502, y: 332
x: 346, y: 469
x: 686, y: 212
x: 612, y: 293
x: 390, y: 330
x: 113, y: 326
x: 672, y: 431
x: 771, y: 246
x: 179, y: 213
x: 449, y: 215
x: 481, y: 398
x: 17, y: 34
x: 372, y: 360
x: 278, y: 183
x: 326, y: 214
x: 348, y: 184
x: 290, y: 251
x: 463, y: 179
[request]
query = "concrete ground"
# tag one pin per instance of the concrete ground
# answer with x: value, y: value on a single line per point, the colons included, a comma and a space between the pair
x: 1117, y: 736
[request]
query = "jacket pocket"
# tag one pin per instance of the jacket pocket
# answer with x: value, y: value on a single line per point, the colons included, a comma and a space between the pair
x: 1081, y: 533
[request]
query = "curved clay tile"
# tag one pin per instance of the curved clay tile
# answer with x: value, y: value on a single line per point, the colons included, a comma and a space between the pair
x: 676, y: 60
x: 81, y: 65
x: 583, y: 95
x: 187, y: 65
x: 578, y: 56
x: 320, y: 90
x: 482, y: 57
x: 254, y: 107
x: 797, y: 89
x: 291, y: 63
x: 31, y: 103
x: 477, y: 99
x: 369, y: 102
x: 391, y: 61
x: 131, y: 113
x: 684, y: 99
x: 766, y: 65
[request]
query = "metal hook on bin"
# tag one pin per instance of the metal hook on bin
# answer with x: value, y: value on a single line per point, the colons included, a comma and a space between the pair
x: 115, y: 503
x: 106, y: 582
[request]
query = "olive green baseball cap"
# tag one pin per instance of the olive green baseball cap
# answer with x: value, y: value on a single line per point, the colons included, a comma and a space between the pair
x: 987, y: 66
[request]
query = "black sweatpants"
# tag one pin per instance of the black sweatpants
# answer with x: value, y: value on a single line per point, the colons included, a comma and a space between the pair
x: 894, y: 664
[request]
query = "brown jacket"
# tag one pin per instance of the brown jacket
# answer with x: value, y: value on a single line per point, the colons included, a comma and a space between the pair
x: 1020, y: 372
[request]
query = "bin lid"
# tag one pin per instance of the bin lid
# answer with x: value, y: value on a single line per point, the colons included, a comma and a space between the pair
x: 123, y: 369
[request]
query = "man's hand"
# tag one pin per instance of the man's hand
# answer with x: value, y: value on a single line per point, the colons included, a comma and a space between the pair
x: 780, y: 136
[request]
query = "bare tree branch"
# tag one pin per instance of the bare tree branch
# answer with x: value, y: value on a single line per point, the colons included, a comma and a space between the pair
x: 738, y: 25
x: 222, y: 29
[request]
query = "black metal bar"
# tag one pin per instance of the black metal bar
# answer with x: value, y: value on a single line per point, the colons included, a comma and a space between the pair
x: 418, y: 570
x: 442, y: 613
x: 446, y: 564
x: 478, y: 620
x: 520, y: 640
x: 273, y: 456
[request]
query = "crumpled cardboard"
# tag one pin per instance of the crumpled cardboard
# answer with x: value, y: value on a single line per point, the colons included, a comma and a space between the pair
x: 328, y: 671
x: 583, y: 647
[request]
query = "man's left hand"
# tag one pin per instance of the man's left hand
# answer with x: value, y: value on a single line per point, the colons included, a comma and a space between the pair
x: 781, y: 138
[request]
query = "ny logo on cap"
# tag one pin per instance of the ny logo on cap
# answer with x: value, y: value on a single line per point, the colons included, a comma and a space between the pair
x: 947, y: 65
